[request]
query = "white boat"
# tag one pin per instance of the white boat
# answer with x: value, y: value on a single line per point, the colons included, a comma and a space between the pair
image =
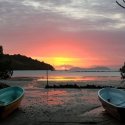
x: 113, y: 101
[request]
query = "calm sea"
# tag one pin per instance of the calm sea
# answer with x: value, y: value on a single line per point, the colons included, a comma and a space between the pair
x: 67, y: 75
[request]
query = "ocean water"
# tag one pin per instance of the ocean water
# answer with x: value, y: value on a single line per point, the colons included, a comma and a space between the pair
x: 68, y: 75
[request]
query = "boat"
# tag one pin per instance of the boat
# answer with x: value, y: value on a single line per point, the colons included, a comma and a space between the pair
x: 10, y: 99
x: 113, y: 101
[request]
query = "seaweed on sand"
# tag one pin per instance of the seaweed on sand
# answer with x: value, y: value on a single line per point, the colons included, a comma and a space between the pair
x: 77, y: 86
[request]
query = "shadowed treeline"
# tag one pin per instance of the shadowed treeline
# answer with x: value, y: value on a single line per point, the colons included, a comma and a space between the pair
x: 8, y: 63
x: 20, y: 62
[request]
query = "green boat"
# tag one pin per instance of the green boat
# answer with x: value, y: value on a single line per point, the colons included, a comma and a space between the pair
x: 10, y: 99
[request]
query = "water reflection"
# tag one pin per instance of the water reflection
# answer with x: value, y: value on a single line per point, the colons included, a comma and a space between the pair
x: 46, y: 97
x: 67, y: 75
x: 83, y: 78
x: 54, y: 97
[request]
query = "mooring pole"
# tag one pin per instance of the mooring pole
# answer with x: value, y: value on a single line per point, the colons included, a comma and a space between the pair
x: 47, y: 77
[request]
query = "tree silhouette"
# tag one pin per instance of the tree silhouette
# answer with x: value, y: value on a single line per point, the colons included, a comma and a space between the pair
x: 123, y: 6
x: 122, y: 70
x: 5, y: 66
x: 1, y: 50
x: 5, y: 69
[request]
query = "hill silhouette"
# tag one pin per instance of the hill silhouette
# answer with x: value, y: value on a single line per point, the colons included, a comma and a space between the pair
x: 96, y: 68
x: 21, y: 62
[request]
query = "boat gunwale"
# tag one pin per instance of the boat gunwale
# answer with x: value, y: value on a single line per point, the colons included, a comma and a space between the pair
x: 116, y: 106
x: 18, y: 98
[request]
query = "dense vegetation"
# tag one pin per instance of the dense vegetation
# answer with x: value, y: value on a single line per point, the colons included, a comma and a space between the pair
x: 5, y: 66
x: 122, y: 70
x: 8, y: 63
x: 20, y: 62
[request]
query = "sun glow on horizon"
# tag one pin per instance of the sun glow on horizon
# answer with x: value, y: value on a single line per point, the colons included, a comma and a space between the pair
x: 60, y: 62
x: 65, y: 63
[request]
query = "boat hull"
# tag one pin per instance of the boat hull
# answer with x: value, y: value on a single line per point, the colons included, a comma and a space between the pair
x: 117, y: 110
x: 15, y: 95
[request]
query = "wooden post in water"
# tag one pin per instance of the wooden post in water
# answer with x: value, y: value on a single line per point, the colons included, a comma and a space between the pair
x: 47, y: 77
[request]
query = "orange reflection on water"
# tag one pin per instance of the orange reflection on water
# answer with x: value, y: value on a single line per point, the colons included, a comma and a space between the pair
x: 62, y: 78
x: 55, y: 97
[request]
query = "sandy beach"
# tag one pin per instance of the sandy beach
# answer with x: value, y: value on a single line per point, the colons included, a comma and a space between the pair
x: 42, y: 106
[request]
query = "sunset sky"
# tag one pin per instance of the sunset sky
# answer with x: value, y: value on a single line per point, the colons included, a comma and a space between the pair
x: 80, y: 33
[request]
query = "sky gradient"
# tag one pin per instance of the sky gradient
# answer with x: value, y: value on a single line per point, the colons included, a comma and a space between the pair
x: 81, y: 33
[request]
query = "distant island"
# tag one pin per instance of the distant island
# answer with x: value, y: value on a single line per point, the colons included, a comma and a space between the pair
x: 96, y: 68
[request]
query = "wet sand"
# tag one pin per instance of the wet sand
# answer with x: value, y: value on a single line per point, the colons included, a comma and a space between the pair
x: 59, y: 106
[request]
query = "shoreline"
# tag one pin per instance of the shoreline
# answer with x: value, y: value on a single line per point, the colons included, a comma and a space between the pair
x: 42, y: 83
x: 58, y: 106
x: 37, y: 82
